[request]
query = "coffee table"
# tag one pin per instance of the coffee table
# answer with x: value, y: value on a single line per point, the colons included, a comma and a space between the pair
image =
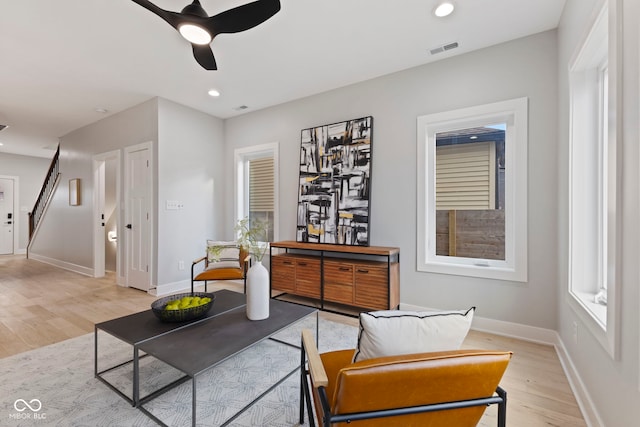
x: 223, y: 333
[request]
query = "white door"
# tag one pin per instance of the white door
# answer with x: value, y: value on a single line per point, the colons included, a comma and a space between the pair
x: 7, y: 218
x: 137, y: 230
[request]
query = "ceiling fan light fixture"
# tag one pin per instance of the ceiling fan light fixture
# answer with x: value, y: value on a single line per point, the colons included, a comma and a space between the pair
x: 444, y: 9
x: 195, y: 34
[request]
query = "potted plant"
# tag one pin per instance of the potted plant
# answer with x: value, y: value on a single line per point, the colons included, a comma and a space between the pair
x: 252, y: 236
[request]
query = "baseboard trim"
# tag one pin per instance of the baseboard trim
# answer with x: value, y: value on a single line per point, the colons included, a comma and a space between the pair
x: 586, y: 404
x: 171, y: 288
x: 85, y: 271
x: 540, y: 336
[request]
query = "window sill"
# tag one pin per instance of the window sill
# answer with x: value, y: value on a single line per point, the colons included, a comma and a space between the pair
x: 597, y: 311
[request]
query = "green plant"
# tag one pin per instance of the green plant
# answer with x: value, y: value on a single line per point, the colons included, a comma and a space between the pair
x: 252, y: 235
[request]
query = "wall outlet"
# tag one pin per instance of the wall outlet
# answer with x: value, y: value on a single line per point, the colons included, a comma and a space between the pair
x: 575, y: 332
x: 180, y: 265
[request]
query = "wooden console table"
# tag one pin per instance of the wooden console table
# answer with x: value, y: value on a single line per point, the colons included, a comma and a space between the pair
x: 366, y: 277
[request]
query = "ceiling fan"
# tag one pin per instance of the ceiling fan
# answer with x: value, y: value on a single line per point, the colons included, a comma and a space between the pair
x: 199, y: 29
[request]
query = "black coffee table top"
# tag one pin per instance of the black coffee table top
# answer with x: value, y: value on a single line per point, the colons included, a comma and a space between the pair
x: 139, y: 327
x: 202, y: 345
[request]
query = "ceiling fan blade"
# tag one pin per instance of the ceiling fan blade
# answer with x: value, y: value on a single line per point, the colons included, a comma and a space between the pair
x: 242, y: 17
x: 172, y: 18
x: 204, y: 56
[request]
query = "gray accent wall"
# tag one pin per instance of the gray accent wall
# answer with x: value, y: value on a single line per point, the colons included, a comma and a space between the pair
x: 522, y: 68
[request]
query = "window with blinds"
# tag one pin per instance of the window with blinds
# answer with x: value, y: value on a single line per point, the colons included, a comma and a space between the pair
x: 261, y: 185
x: 262, y: 192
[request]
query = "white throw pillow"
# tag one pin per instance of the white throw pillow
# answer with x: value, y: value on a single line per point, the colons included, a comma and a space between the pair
x: 394, y: 332
x: 223, y: 254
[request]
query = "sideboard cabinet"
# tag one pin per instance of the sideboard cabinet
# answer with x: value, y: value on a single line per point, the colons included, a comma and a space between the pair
x: 365, y: 277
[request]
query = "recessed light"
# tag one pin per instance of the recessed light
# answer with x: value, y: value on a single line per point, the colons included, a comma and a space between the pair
x: 443, y: 9
x: 214, y: 93
x: 101, y: 110
x: 1, y: 144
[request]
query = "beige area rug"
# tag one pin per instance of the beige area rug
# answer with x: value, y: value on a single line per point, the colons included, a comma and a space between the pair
x: 55, y: 385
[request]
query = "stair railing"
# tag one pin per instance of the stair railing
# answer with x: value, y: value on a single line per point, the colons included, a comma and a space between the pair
x: 47, y: 188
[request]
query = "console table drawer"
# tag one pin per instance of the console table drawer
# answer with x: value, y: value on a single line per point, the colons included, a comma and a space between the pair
x: 336, y: 292
x: 308, y: 277
x: 371, y: 286
x: 338, y: 272
x: 283, y: 273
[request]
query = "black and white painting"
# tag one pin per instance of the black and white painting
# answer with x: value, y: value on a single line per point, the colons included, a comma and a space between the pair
x: 335, y: 183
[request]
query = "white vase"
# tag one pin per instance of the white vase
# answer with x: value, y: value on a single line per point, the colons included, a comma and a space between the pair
x: 257, y: 292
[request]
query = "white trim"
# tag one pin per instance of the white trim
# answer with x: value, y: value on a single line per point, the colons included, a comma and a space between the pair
x: 514, y: 266
x: 240, y: 176
x: 584, y: 67
x: 98, y: 231
x: 170, y: 288
x: 85, y: 271
x: 580, y: 391
x: 16, y: 213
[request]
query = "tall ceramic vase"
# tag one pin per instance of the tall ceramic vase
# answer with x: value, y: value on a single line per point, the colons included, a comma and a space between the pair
x: 257, y: 292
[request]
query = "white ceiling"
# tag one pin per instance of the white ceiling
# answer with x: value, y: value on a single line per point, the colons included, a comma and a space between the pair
x: 61, y: 60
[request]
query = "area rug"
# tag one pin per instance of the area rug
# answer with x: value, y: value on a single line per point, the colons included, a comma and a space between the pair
x: 55, y: 385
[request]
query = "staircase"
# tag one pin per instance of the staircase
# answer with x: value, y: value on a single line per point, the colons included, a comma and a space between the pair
x: 40, y: 206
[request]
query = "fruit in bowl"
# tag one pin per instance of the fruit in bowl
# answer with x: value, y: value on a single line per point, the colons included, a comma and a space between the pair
x: 186, y: 302
x: 183, y: 307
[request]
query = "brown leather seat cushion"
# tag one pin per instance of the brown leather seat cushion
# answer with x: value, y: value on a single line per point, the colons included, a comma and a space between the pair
x: 410, y: 380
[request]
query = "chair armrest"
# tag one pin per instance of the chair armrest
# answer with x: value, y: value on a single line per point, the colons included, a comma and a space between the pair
x: 199, y: 260
x: 316, y: 369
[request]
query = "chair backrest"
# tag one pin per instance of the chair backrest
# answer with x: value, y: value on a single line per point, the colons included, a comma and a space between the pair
x: 225, y: 254
x: 420, y: 379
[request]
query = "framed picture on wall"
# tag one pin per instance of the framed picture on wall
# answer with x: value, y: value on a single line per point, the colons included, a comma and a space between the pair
x: 335, y: 183
x: 74, y: 192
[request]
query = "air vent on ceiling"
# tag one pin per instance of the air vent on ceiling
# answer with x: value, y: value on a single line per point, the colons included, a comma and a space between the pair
x: 3, y: 127
x: 444, y: 48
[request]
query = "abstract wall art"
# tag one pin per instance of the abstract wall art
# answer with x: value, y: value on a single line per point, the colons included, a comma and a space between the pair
x: 335, y: 183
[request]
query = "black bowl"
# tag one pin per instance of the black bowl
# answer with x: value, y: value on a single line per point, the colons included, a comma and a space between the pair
x: 183, y: 314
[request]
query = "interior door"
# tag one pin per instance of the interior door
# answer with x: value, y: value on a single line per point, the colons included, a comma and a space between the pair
x: 138, y: 216
x: 6, y: 216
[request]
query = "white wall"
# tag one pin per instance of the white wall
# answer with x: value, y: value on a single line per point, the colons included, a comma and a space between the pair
x: 189, y: 167
x: 190, y: 170
x: 66, y: 233
x: 612, y: 385
x: 31, y: 172
x: 522, y: 68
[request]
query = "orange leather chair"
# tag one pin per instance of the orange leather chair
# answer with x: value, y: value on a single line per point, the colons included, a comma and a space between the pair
x: 449, y: 388
x: 226, y: 269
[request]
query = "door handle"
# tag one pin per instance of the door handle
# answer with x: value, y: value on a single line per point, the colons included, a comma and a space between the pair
x: 128, y: 226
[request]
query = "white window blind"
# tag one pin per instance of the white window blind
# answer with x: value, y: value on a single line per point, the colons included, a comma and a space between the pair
x: 261, y: 189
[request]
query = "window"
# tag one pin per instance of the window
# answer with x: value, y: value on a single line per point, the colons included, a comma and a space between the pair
x: 593, y: 184
x: 257, y: 186
x: 472, y: 191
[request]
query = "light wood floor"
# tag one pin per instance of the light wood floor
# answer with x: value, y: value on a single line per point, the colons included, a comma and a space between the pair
x: 41, y: 305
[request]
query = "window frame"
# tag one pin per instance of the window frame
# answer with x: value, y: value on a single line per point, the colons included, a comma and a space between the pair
x: 596, y: 52
x: 514, y: 113
x: 241, y: 181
